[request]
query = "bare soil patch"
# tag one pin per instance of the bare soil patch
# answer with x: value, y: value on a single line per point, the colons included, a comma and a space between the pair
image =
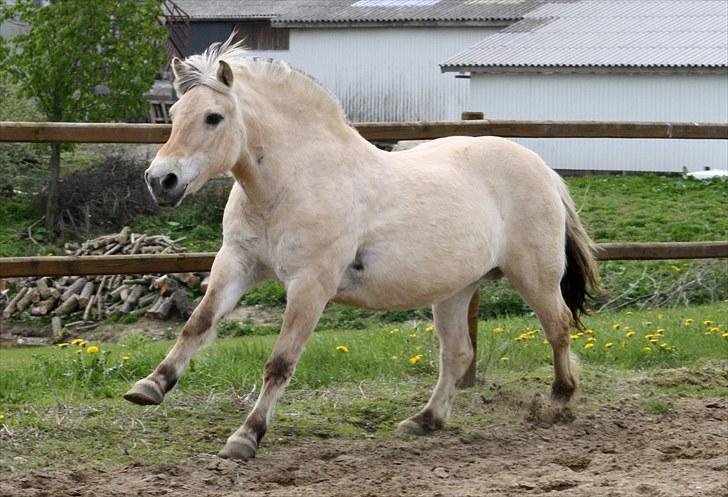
x: 618, y: 450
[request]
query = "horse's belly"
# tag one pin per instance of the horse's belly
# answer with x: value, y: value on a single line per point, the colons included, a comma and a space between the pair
x: 406, y: 281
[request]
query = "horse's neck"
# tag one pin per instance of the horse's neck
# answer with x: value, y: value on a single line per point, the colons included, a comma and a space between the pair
x: 293, y: 132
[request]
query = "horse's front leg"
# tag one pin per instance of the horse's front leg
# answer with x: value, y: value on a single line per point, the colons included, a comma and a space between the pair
x: 232, y: 275
x: 306, y: 301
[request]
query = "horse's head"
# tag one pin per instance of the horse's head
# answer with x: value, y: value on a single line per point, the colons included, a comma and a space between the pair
x: 207, y: 131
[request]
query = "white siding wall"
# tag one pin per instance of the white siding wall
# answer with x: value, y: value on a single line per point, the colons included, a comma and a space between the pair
x: 386, y: 74
x: 689, y: 98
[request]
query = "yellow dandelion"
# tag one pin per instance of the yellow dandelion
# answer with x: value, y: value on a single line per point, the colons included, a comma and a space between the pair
x: 504, y: 359
x: 676, y: 268
x: 649, y: 336
x: 629, y: 313
x: 608, y: 345
x: 588, y: 331
x: 646, y: 349
x: 647, y: 323
x: 81, y: 344
x: 498, y: 330
x: 688, y: 322
x: 616, y: 326
x: 92, y: 349
x: 2, y: 418
x: 76, y: 341
x: 725, y: 335
x: 580, y: 334
x: 429, y: 328
x: 64, y: 344
x: 664, y: 345
x: 630, y: 334
x: 589, y: 345
x: 707, y: 322
x: 413, y: 335
x: 393, y: 331
x: 574, y: 337
x: 342, y: 348
x: 77, y: 351
x: 125, y: 358
x: 714, y: 329
x: 415, y: 359
x: 659, y: 316
x: 591, y: 339
x: 653, y: 340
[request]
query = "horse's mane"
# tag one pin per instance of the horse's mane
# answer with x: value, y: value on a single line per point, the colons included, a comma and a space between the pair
x: 201, y: 70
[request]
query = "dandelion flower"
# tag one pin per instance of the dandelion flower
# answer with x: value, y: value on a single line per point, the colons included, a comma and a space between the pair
x: 415, y: 359
x: 630, y: 334
x: 504, y: 359
x: 574, y: 337
x: 76, y: 341
x: 664, y: 345
x: 2, y: 418
x: 588, y: 331
x: 589, y: 345
x: 725, y: 335
x: 608, y: 345
x: 676, y: 268
x: 591, y: 339
x: 646, y: 349
x: 92, y: 349
x: 688, y: 322
x: 64, y: 344
x: 707, y: 322
x: 647, y: 323
x: 429, y: 328
x: 125, y: 358
x: 342, y: 348
x: 498, y: 330
x: 78, y: 351
x: 616, y: 326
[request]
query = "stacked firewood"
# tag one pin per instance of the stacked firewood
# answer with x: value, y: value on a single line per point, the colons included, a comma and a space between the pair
x: 83, y: 300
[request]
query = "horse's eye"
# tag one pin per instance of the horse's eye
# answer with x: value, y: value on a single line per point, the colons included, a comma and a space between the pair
x: 213, y: 119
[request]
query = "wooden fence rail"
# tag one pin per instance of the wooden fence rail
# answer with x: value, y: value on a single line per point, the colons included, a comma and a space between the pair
x: 381, y: 132
x: 180, y: 263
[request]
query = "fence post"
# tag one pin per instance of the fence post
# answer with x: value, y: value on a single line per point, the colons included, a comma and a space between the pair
x: 468, y: 379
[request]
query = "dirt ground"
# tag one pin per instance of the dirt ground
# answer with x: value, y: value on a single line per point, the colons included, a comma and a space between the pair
x: 616, y: 451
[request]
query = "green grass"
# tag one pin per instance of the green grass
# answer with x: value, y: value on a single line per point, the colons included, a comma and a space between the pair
x: 59, y: 404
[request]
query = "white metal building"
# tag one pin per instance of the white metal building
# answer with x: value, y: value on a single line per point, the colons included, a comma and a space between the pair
x: 380, y: 57
x: 663, y: 60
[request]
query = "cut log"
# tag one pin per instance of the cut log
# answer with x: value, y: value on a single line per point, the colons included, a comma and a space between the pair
x: 162, y: 310
x: 68, y: 306
x: 132, y: 299
x: 43, y: 307
x: 89, y: 306
x: 148, y: 299
x: 190, y: 280
x: 86, y: 293
x: 74, y: 289
x: 13, y: 304
x: 182, y: 302
x: 27, y: 299
x: 116, y: 292
x: 56, y: 326
x: 42, y: 285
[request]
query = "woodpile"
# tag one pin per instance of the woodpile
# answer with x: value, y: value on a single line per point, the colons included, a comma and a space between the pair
x: 82, y: 301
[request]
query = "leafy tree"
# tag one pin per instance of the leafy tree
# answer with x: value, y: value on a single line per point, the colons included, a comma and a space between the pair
x: 84, y: 61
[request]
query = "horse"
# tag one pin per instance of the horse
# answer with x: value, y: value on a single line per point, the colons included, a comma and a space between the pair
x: 334, y: 218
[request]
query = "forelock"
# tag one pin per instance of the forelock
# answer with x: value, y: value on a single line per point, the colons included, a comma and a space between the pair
x: 201, y: 70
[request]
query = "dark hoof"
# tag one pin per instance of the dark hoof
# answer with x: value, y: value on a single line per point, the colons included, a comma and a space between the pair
x: 237, y: 449
x: 145, y: 393
x: 409, y: 427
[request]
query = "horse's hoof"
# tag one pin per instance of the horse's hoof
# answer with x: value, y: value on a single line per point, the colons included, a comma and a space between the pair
x: 409, y: 427
x: 145, y: 393
x: 237, y: 449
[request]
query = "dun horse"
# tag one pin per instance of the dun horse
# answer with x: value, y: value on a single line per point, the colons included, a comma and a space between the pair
x: 318, y: 208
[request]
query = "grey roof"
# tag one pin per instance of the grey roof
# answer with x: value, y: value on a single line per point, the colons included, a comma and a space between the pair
x: 405, y: 11
x: 236, y: 9
x: 309, y: 12
x: 606, y: 33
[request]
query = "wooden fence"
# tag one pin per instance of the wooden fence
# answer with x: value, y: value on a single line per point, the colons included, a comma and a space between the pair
x: 380, y: 132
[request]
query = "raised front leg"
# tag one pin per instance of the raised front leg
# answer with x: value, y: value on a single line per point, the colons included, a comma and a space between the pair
x: 231, y: 276
x: 306, y: 301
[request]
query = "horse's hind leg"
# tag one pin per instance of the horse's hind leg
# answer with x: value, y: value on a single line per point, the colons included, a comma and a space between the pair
x: 456, y: 353
x: 229, y: 279
x: 539, y: 285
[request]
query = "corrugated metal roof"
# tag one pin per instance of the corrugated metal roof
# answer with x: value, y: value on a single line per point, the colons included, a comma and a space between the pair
x: 309, y: 12
x: 607, y: 33
x: 237, y: 9
x: 398, y: 11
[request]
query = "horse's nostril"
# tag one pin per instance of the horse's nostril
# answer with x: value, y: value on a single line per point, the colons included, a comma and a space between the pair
x: 169, y: 181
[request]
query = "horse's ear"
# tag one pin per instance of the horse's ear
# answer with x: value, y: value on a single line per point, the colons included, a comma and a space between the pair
x: 225, y: 73
x: 177, y: 67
